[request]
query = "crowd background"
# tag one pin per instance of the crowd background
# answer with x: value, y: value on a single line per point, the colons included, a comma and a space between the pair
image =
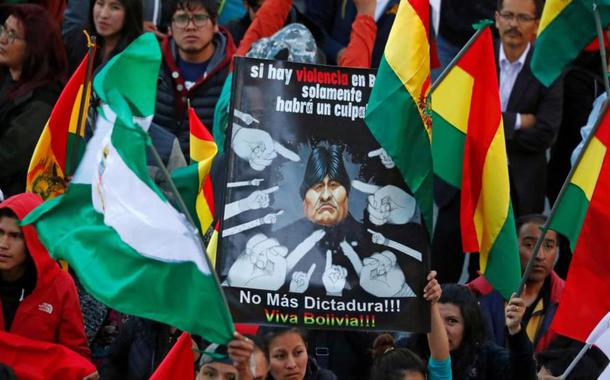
x: 41, y: 44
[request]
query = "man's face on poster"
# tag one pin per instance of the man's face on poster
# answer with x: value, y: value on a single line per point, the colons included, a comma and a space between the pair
x: 325, y: 202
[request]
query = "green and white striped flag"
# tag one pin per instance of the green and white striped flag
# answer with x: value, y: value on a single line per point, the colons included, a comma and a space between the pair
x: 129, y: 247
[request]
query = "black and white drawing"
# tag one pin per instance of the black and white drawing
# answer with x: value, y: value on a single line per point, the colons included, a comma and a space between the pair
x: 318, y: 226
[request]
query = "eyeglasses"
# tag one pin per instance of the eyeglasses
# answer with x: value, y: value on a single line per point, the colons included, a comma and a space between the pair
x: 199, y: 20
x: 10, y: 34
x: 521, y: 18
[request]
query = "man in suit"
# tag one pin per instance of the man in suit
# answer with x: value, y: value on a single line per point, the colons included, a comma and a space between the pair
x: 531, y: 111
x: 531, y: 114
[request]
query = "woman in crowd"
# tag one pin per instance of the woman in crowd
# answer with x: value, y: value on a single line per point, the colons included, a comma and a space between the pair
x: 392, y: 363
x: 32, y: 73
x: 115, y: 23
x: 474, y: 357
x: 286, y: 350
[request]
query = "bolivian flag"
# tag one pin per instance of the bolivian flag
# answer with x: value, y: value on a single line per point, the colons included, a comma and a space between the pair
x: 397, y: 112
x: 54, y: 154
x: 583, y: 215
x: 470, y: 154
x: 193, y: 181
x: 566, y: 28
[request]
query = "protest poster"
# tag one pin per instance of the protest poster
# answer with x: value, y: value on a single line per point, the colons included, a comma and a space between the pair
x: 318, y: 228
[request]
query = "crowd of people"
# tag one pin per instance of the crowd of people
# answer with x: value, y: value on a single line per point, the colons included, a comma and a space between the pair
x: 475, y: 332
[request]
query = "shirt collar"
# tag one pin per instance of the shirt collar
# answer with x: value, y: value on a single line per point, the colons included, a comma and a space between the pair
x: 520, y: 61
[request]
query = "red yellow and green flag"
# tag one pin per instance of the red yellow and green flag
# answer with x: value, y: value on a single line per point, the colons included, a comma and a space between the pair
x: 397, y: 112
x: 469, y: 153
x: 54, y: 157
x: 193, y: 181
x: 583, y: 216
x: 566, y: 28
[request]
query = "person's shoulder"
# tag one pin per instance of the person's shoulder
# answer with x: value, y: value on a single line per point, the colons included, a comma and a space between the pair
x: 557, y: 286
x: 62, y: 281
x: 325, y: 374
x: 47, y: 93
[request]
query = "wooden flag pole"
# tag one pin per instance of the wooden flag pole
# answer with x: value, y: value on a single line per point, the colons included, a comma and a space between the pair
x: 80, y: 122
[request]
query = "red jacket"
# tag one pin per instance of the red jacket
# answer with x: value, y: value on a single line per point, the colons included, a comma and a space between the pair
x: 51, y: 313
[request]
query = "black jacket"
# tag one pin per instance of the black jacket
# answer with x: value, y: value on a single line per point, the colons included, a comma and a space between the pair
x: 22, y: 120
x: 171, y: 105
x: 526, y: 148
x: 141, y: 346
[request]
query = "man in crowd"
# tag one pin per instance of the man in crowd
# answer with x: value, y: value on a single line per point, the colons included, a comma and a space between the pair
x: 542, y: 291
x: 196, y: 57
x: 39, y: 301
x: 531, y: 112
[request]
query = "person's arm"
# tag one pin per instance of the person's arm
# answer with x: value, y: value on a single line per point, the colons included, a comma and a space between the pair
x: 437, y: 338
x: 359, y: 51
x: 537, y: 131
x: 586, y: 129
x: 269, y: 19
x: 240, y: 350
x: 520, y: 350
x: 439, y: 364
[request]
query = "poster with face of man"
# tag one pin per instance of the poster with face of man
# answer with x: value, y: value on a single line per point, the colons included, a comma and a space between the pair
x: 318, y: 228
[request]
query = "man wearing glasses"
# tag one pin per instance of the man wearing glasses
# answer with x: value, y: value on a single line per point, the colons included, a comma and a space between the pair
x: 196, y: 57
x: 531, y: 112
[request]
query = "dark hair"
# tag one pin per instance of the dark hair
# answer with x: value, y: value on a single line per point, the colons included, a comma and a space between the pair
x: 210, y: 6
x: 474, y: 327
x: 560, y: 353
x: 392, y: 363
x: 268, y: 334
x: 132, y: 26
x: 529, y: 218
x: 256, y: 4
x: 258, y: 342
x: 539, y: 4
x: 556, y: 362
x: 45, y: 58
x: 325, y: 162
x: 6, y: 212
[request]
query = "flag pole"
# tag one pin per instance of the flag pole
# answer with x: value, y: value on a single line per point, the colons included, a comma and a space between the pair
x: 544, y: 229
x: 183, y: 209
x: 602, y: 46
x: 481, y: 26
x: 574, y: 362
x: 80, y: 123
